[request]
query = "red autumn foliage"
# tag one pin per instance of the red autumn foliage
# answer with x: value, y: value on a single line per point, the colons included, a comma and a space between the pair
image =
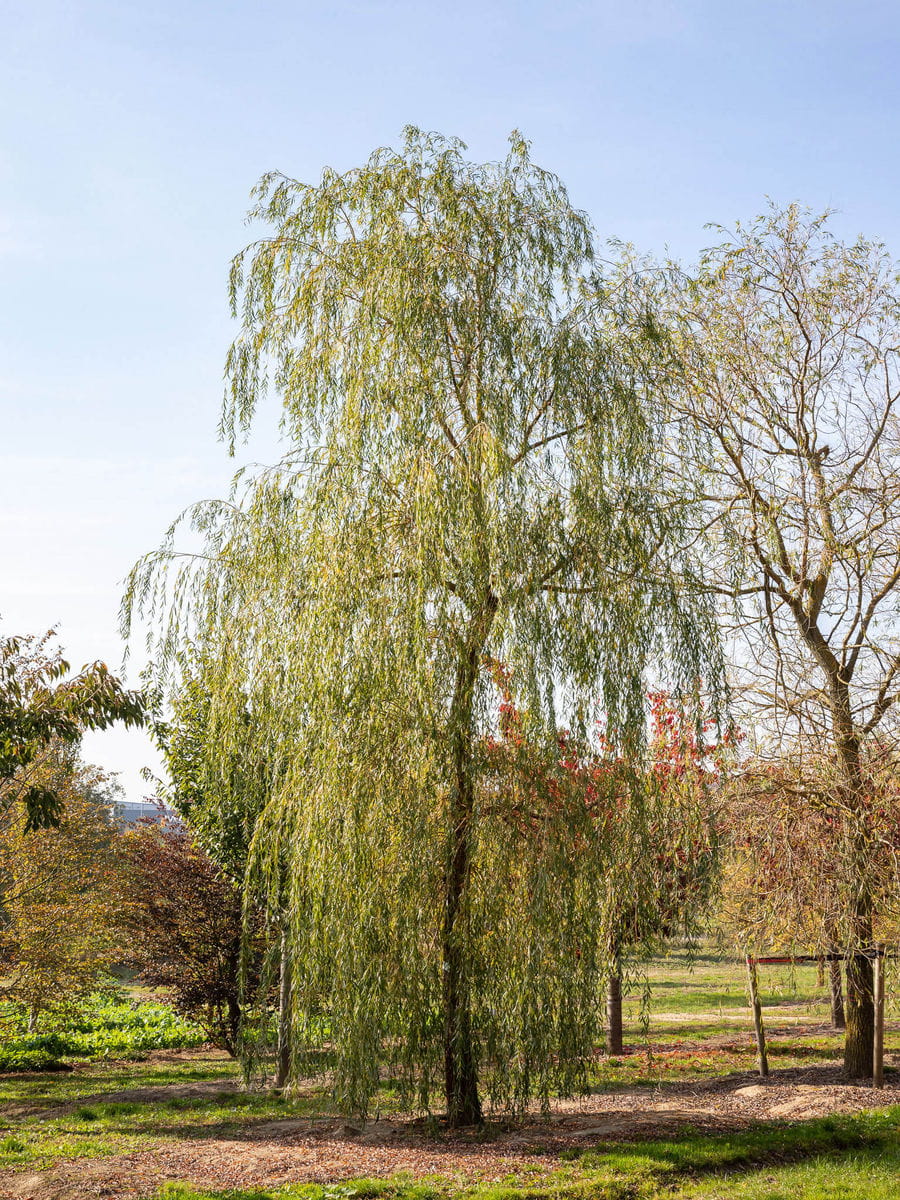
x: 659, y: 809
x: 184, y: 927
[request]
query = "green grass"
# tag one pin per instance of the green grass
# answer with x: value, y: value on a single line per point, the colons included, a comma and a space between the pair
x: 862, y: 1176
x: 698, y: 1024
x: 398, y: 1188
x: 41, y: 1091
x: 92, y: 1127
x: 706, y: 983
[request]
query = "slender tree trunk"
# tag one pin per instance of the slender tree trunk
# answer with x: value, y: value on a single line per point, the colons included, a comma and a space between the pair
x: 614, y: 1043
x: 460, y: 1065
x: 860, y: 1000
x: 859, y: 1009
x: 860, y: 1018
x: 837, y: 994
x: 820, y: 972
x: 232, y: 1022
x: 283, y: 1053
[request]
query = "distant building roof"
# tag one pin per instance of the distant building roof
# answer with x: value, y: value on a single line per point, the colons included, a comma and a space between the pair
x: 129, y: 812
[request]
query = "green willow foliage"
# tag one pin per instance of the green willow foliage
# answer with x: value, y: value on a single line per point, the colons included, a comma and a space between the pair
x: 220, y: 778
x: 473, y: 474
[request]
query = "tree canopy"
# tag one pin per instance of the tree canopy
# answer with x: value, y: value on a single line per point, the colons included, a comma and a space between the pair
x: 59, y: 884
x: 473, y: 476
x: 182, y: 927
x: 787, y: 378
x: 41, y: 710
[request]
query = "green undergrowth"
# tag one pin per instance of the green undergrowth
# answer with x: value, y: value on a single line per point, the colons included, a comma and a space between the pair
x: 105, y: 1026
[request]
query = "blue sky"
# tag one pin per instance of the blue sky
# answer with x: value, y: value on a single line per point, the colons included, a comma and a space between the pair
x: 130, y: 135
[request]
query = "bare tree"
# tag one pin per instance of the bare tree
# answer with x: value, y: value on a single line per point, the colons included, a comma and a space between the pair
x: 787, y: 378
x: 788, y: 846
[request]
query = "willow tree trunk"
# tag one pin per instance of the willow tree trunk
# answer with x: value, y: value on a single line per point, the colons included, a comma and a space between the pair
x: 460, y: 1068
x: 614, y: 1043
x: 837, y: 994
x: 460, y: 1062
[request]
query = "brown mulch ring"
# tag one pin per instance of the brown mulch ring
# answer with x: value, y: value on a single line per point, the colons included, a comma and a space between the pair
x: 270, y: 1152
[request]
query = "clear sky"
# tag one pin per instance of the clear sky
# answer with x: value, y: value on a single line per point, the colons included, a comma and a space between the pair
x: 132, y: 133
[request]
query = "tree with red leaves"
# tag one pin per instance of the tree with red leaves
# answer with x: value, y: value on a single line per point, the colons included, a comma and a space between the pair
x: 184, y: 924
x: 655, y: 816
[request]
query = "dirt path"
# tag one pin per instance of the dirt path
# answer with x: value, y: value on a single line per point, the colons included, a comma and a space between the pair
x: 275, y: 1152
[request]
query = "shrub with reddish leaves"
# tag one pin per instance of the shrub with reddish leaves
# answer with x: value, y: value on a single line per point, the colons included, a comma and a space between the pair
x: 801, y: 851
x: 184, y: 927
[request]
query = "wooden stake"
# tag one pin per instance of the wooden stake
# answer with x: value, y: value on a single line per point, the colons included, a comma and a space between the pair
x: 762, y: 1056
x: 878, y: 1065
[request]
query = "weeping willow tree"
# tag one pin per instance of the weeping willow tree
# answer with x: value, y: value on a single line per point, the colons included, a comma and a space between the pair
x: 472, y: 477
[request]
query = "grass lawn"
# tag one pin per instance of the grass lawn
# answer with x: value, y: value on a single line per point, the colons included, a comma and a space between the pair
x: 138, y: 1117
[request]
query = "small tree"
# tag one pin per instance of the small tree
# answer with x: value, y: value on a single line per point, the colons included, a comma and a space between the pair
x: 183, y: 926
x: 42, y: 710
x: 788, y: 837
x: 60, y: 884
x: 656, y: 816
x: 219, y: 784
x: 679, y: 859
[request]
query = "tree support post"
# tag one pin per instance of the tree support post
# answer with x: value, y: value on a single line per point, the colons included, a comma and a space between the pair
x: 762, y: 1056
x: 878, y: 1041
x: 614, y: 1044
x: 837, y: 992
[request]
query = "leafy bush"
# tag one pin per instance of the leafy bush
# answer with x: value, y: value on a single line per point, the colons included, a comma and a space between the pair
x: 104, y: 1027
x: 16, y: 1058
x: 184, y: 927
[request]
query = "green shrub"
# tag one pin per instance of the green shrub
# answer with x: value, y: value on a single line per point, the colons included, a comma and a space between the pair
x: 23, y: 1058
